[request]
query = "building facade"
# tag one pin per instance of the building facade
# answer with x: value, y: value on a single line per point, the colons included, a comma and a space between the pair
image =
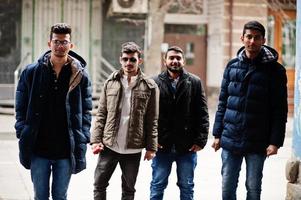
x: 209, y: 32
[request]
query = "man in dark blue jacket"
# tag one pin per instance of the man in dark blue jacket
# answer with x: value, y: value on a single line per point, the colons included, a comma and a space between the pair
x: 252, y: 112
x: 53, y: 104
x: 182, y: 127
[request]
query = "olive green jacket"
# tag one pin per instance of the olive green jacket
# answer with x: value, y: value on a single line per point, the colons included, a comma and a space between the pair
x: 143, y: 124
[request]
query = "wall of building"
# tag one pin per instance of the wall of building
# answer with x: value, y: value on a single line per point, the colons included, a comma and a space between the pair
x: 237, y: 13
x: 215, y: 66
x: 10, y: 21
x: 293, y: 173
x: 297, y: 110
x: 225, y: 23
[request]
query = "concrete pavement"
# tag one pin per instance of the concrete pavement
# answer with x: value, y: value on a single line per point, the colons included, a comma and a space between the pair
x: 15, y: 183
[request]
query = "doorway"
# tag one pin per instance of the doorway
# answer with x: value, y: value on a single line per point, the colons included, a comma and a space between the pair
x: 192, y: 39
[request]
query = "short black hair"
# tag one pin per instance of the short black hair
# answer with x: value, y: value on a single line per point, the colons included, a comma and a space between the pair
x: 131, y: 47
x: 254, y: 25
x: 176, y: 49
x: 60, y: 28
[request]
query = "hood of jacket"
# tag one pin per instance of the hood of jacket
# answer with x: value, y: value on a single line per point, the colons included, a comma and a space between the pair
x: 266, y: 55
x: 77, y: 64
x: 71, y: 55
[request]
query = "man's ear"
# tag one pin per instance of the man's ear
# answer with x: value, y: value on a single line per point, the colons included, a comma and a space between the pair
x: 49, y: 44
x: 140, y: 61
x: 164, y: 61
x: 120, y: 60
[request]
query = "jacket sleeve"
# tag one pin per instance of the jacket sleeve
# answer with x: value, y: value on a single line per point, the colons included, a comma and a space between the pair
x: 21, y: 102
x: 222, y: 105
x: 151, y: 120
x: 201, y: 118
x: 279, y: 106
x: 86, y: 106
x: 100, y: 118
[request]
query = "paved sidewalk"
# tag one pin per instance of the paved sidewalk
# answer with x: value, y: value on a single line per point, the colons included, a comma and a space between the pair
x: 15, y: 183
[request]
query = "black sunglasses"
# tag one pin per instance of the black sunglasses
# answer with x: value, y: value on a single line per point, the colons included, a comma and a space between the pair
x: 132, y: 59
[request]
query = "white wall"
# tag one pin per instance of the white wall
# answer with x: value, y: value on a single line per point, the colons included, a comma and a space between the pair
x: 215, y: 66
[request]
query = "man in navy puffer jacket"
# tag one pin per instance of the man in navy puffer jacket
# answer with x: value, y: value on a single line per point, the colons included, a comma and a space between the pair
x: 53, y: 104
x: 252, y: 112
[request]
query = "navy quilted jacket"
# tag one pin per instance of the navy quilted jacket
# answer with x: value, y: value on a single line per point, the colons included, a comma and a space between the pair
x: 252, y: 109
x: 29, y: 101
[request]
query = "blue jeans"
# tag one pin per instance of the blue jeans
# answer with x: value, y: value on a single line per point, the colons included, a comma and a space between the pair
x: 161, y: 166
x: 231, y: 165
x: 40, y: 170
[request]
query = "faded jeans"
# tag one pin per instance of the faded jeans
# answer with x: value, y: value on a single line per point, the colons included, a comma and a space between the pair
x: 162, y: 164
x: 41, y: 169
x: 231, y: 165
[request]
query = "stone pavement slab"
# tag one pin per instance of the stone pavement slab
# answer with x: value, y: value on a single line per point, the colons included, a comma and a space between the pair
x: 15, y: 183
x: 7, y: 124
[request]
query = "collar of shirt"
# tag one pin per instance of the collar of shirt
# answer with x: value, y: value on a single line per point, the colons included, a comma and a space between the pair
x: 126, y: 84
x: 174, y: 82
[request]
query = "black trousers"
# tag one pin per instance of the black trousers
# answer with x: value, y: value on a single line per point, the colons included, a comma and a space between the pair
x: 106, y: 165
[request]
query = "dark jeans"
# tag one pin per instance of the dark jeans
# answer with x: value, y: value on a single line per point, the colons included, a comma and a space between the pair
x: 230, y: 174
x: 107, y: 162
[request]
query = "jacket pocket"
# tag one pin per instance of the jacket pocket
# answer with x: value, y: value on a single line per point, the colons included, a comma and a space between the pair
x: 112, y: 98
x: 25, y: 133
x: 25, y: 146
x: 141, y: 100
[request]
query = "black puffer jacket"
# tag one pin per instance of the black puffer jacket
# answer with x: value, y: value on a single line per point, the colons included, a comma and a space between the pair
x: 252, y: 110
x: 183, y: 116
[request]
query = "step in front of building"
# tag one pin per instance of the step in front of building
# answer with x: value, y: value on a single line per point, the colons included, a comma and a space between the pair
x: 7, y: 106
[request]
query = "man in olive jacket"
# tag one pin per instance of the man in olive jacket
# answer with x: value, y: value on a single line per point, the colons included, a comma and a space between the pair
x: 126, y: 122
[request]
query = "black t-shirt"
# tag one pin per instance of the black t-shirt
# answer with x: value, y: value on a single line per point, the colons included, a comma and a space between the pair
x: 53, y: 136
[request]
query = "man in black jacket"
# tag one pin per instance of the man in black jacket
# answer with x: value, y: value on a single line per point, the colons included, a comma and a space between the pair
x: 182, y: 127
x: 252, y: 112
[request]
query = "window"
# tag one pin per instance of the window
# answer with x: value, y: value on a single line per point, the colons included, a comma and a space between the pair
x: 288, y: 43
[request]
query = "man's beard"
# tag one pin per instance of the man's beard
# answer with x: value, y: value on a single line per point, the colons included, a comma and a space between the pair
x: 175, y: 69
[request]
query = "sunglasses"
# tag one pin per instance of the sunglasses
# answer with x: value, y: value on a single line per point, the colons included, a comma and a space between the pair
x: 132, y: 60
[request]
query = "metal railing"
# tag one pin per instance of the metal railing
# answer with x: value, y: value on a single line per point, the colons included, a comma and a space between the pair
x: 103, y: 73
x: 108, y: 65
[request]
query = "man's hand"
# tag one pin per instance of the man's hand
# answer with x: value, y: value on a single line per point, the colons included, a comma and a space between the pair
x: 149, y: 155
x: 216, y: 144
x: 97, y: 148
x: 271, y: 150
x: 195, y: 148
